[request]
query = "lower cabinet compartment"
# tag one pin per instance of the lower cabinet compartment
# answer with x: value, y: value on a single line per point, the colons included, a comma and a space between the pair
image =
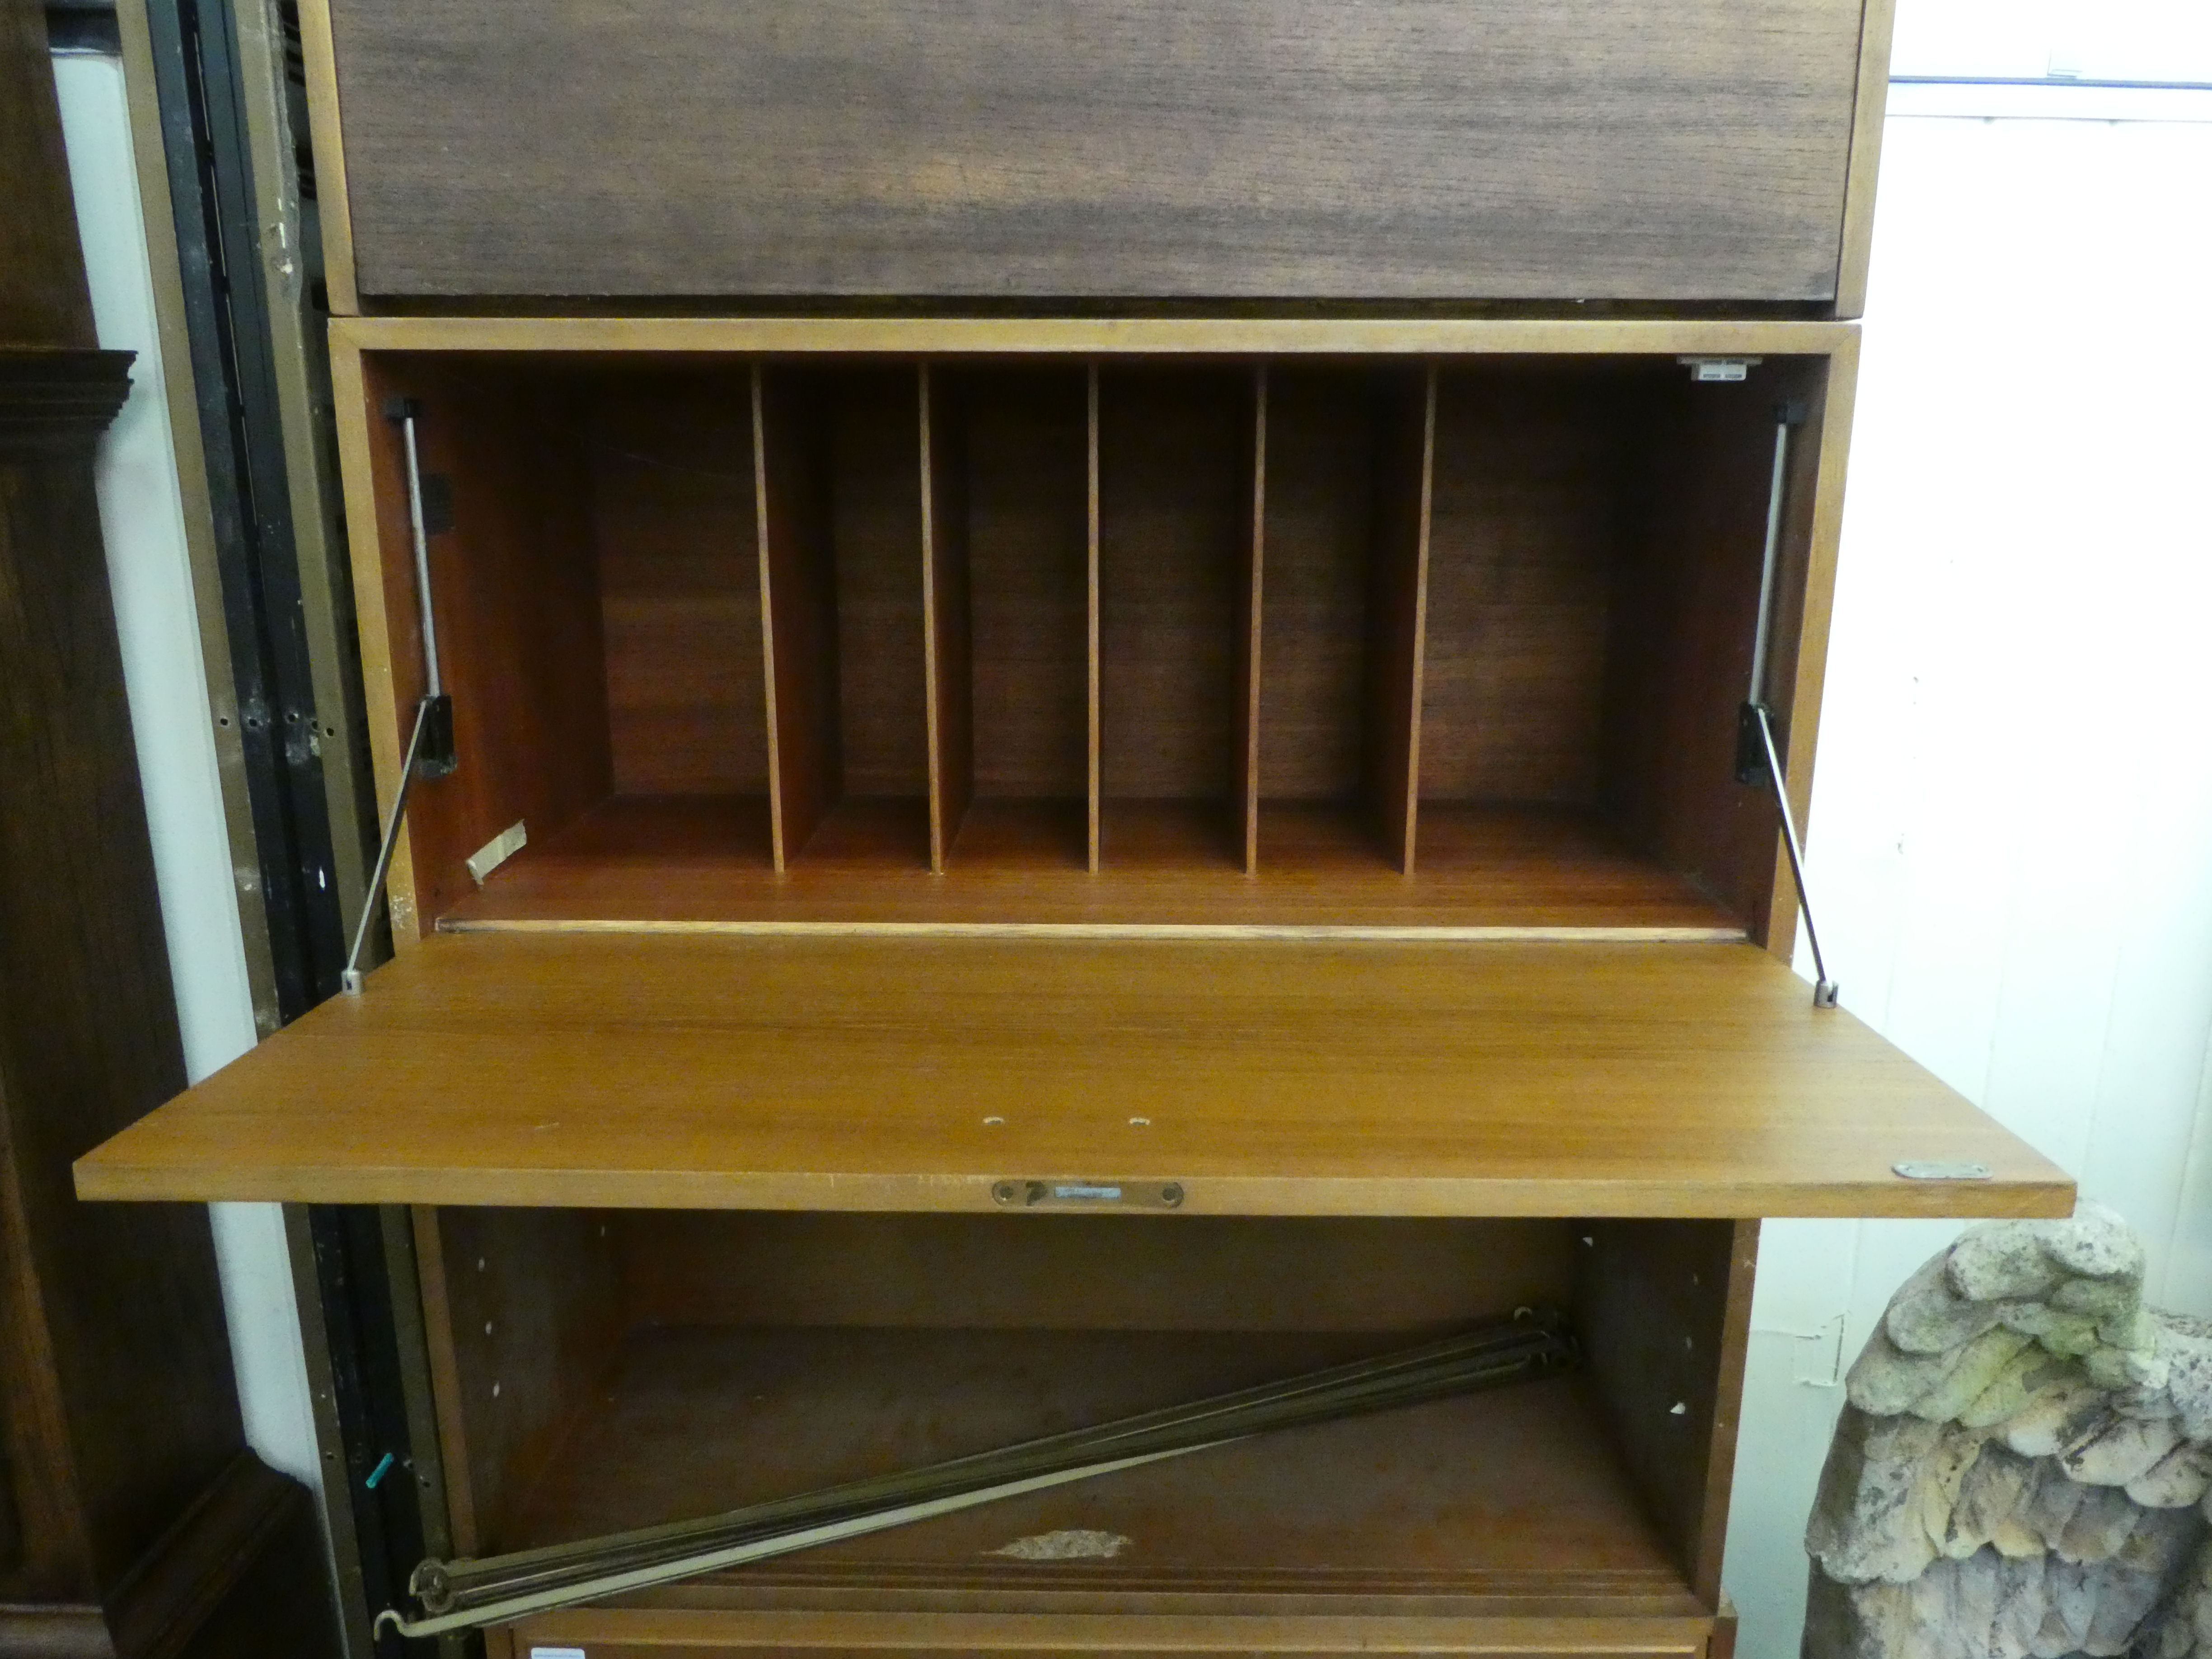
x: 599, y: 1372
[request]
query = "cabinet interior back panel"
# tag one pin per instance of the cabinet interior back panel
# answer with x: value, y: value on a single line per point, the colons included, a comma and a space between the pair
x: 1400, y: 149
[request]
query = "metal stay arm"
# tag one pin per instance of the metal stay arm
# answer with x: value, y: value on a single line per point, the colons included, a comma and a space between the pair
x: 1757, y: 755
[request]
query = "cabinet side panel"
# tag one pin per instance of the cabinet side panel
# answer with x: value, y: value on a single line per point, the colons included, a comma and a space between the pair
x: 514, y: 585
x: 532, y: 1318
x: 1663, y: 1308
x: 1686, y: 614
x: 1248, y: 147
x: 1728, y: 1417
x: 1872, y: 105
x: 319, y: 56
x: 391, y: 679
x: 1806, y: 602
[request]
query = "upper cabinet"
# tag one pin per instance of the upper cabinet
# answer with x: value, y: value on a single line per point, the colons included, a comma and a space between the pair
x: 1718, y: 152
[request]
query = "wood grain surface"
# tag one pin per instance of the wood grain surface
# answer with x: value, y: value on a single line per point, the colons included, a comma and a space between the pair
x: 1102, y: 337
x: 673, y: 523
x: 1319, y: 513
x: 799, y: 606
x: 649, y: 862
x: 1259, y: 147
x: 1397, y: 614
x: 668, y: 1633
x: 1527, y: 532
x: 1029, y: 583
x: 1590, y: 529
x: 515, y: 585
x: 1467, y: 1495
x: 1078, y: 1273
x: 116, y: 1402
x: 1274, y: 1077
x: 1173, y: 453
x: 948, y: 631
x: 1664, y: 1312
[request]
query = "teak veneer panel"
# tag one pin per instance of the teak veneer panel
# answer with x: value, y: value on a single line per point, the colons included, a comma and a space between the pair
x: 1103, y: 336
x: 1274, y: 1077
x: 1497, y: 1492
x: 1289, y: 149
x: 672, y: 1633
x: 674, y: 862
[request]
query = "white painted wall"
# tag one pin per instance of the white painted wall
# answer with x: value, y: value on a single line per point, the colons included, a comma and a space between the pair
x: 141, y: 518
x: 2011, y: 832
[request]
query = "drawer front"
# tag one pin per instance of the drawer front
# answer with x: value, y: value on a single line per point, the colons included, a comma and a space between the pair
x: 642, y: 1633
x: 702, y: 1651
x: 1400, y: 149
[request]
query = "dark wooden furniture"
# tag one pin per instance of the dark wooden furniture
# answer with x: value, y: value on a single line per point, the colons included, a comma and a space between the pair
x: 134, y: 1522
x: 1124, y: 149
x: 1146, y: 647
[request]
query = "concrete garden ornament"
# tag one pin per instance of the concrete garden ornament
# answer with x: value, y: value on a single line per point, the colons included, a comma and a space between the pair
x: 2023, y: 1465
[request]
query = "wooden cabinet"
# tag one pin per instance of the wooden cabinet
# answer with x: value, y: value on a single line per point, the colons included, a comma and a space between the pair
x: 1048, y: 716
x: 688, y: 1359
x: 1271, y: 626
x: 1107, y: 150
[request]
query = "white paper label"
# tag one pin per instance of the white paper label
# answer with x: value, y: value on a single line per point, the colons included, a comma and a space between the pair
x: 557, y: 1653
x: 485, y: 860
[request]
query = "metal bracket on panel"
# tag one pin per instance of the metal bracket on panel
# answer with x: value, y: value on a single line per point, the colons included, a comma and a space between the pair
x: 431, y: 753
x: 1922, y: 1169
x: 1719, y: 371
x: 1755, y: 717
x: 1086, y: 1194
x: 1756, y: 753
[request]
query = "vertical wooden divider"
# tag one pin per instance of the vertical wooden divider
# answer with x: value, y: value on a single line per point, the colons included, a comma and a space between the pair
x: 798, y: 610
x: 947, y: 643
x: 1404, y: 485
x: 1094, y: 678
x: 1245, y: 790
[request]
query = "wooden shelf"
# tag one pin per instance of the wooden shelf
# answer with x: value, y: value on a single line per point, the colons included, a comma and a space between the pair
x: 1481, y: 620
x: 1496, y: 1502
x: 1269, y: 1077
x: 703, y: 864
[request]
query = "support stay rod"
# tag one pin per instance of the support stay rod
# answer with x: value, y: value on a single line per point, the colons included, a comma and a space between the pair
x: 1757, y: 754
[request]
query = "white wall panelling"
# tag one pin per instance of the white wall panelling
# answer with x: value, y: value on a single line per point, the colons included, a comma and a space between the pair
x: 2011, y: 832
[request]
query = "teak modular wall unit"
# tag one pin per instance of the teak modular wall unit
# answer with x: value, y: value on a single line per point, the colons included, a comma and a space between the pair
x: 1123, y: 608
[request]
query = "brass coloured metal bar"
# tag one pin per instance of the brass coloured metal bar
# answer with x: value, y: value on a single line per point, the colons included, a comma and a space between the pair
x: 462, y: 1593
